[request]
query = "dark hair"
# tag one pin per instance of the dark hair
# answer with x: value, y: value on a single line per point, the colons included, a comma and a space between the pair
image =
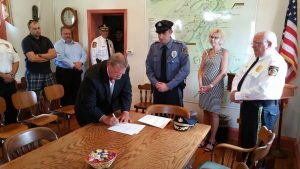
x: 119, y: 29
x: 31, y: 21
x: 65, y: 27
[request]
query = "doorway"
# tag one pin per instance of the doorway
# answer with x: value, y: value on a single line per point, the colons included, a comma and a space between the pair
x: 115, y: 19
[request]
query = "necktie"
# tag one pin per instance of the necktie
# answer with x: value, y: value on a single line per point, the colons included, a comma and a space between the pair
x: 243, y: 78
x: 112, y: 84
x: 163, y: 70
x: 108, y: 50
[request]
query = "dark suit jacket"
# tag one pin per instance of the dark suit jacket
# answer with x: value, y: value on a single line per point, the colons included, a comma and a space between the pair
x: 94, y: 99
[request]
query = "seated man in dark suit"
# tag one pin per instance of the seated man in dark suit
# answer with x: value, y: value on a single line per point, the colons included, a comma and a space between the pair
x: 105, y: 89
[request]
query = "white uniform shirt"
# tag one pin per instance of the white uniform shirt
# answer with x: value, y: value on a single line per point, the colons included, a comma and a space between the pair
x: 8, y: 56
x: 266, y: 79
x: 99, y: 49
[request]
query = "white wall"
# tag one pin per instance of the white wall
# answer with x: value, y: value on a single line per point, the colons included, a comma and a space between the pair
x: 136, y: 30
x: 269, y: 17
x: 16, y: 33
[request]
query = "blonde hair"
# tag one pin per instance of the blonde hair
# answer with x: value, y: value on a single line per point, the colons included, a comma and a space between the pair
x: 217, y: 31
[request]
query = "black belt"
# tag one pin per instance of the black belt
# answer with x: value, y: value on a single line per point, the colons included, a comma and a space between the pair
x: 61, y: 68
x: 67, y: 70
x: 262, y: 102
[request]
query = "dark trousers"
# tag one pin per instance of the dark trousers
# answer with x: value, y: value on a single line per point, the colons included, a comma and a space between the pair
x: 250, y: 119
x: 6, y: 90
x: 70, y: 79
x: 172, y: 97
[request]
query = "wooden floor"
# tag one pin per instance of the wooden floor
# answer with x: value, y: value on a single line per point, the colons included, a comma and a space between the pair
x: 201, y: 155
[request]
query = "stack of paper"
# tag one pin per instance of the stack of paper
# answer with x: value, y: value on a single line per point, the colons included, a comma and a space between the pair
x: 127, y: 128
x: 156, y: 121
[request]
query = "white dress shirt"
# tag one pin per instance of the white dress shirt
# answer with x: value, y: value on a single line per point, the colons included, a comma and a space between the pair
x: 8, y: 56
x: 99, y: 49
x: 261, y: 83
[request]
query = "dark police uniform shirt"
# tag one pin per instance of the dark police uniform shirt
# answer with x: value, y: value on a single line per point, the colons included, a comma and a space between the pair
x: 178, y: 63
x: 38, y: 46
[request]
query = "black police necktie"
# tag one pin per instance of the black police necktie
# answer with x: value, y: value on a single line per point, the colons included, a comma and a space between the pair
x: 243, y: 78
x: 163, y: 67
x: 108, y: 50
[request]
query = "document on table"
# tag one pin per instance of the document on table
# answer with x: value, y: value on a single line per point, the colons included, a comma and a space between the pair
x: 156, y: 121
x: 127, y: 128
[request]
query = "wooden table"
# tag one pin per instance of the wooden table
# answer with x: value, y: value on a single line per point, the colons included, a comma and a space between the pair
x: 151, y: 148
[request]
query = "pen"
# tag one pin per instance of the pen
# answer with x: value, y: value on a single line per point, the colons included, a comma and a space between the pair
x: 115, y: 118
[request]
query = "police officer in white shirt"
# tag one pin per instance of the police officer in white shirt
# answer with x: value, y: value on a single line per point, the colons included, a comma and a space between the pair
x: 258, y: 87
x: 102, y: 47
x: 9, y: 64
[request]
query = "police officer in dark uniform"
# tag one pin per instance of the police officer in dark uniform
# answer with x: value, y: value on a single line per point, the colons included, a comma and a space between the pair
x: 167, y: 66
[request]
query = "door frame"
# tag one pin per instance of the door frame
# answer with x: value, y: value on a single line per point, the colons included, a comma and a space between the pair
x: 2, y: 25
x: 92, y: 29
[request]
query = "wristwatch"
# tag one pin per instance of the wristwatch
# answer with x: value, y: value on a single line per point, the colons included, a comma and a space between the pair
x: 12, y: 74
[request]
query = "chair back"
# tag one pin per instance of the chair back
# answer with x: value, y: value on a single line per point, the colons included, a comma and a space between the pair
x: 2, y: 109
x: 24, y: 102
x: 26, y: 141
x: 266, y: 138
x: 54, y: 92
x: 145, y: 97
x: 241, y: 165
x: 145, y: 93
x: 170, y: 111
x: 24, y: 99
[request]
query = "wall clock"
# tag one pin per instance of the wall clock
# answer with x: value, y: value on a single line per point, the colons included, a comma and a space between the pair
x: 69, y: 19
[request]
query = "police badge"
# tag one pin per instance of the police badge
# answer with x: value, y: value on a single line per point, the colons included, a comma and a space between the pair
x: 174, y: 54
x: 273, y: 70
x: 259, y: 68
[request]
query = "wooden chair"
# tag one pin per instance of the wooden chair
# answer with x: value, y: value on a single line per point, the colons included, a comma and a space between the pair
x: 241, y: 165
x: 170, y: 111
x: 10, y: 129
x: 258, y: 152
x: 145, y: 97
x: 27, y: 141
x: 27, y: 100
x: 53, y: 94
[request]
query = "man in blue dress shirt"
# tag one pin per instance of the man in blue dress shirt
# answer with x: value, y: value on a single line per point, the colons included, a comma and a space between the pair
x: 69, y: 63
x: 167, y: 66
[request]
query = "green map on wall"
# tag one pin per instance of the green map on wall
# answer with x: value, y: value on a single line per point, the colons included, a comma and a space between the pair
x: 192, y: 21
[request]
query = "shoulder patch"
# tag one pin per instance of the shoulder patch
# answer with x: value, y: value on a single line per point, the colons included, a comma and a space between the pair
x: 185, y: 51
x: 273, y: 70
x: 94, y: 44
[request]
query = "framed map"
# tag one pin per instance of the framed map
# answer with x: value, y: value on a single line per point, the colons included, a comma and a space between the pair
x: 192, y: 21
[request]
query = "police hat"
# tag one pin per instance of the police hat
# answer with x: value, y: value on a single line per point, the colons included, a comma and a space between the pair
x: 103, y: 27
x: 183, y: 124
x: 163, y: 25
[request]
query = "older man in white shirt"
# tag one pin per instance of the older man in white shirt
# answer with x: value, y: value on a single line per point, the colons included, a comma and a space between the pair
x: 258, y: 87
x: 9, y: 64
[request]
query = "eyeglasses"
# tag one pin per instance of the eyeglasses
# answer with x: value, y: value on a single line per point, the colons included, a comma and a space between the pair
x: 214, y: 37
x: 258, y: 42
